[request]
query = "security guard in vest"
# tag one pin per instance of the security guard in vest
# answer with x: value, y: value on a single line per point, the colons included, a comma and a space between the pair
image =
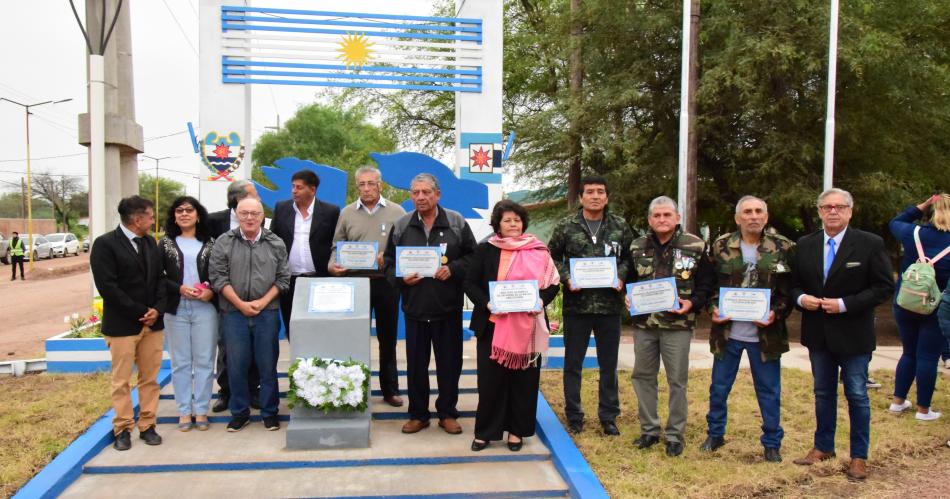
x: 16, y: 255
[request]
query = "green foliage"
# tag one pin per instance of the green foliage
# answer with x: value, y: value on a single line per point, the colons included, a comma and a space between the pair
x: 11, y: 206
x: 168, y: 190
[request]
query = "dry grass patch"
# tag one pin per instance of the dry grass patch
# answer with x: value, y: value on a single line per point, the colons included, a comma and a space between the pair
x: 900, y: 446
x: 40, y: 416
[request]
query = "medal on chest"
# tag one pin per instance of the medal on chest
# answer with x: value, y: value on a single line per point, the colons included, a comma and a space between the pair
x: 444, y: 247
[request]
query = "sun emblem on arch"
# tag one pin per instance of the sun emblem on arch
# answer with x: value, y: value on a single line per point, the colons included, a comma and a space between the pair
x: 355, y: 50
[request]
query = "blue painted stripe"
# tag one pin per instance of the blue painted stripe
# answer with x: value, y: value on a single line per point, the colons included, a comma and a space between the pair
x: 373, y: 393
x: 558, y: 363
x: 558, y: 341
x: 336, y: 463
x: 378, y: 416
x: 76, y: 345
x: 568, y: 460
x: 314, y: 83
x: 468, y: 138
x: 349, y: 76
x: 66, y: 467
x: 76, y: 366
x: 228, y: 61
x: 515, y: 494
x: 363, y: 24
x: 328, y: 31
x: 390, y: 416
x: 485, y: 178
x: 268, y: 10
x: 465, y: 372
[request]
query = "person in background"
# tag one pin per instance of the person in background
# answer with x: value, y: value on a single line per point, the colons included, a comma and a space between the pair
x: 16, y: 255
x: 920, y: 334
x: 191, y: 315
x: 509, y: 345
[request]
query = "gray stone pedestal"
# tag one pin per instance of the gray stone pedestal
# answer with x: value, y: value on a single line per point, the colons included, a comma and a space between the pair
x: 330, y: 335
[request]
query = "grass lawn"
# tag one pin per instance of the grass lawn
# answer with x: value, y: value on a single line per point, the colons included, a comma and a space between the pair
x: 907, y: 458
x: 39, y: 416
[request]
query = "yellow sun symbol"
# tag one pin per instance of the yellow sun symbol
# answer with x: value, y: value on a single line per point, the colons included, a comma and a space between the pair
x: 355, y: 50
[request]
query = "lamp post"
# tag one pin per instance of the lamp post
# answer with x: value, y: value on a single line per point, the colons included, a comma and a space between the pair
x: 829, y: 167
x: 157, y: 160
x: 29, y: 178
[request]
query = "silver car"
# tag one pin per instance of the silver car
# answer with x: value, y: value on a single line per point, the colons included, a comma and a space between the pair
x: 4, y: 249
x: 64, y: 243
x: 38, y: 245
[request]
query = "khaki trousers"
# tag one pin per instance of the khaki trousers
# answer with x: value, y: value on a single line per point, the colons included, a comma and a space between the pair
x: 143, y: 350
x: 672, y: 346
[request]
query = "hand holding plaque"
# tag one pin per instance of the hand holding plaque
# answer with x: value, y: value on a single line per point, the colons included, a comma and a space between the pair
x: 423, y: 261
x: 598, y: 272
x: 745, y: 304
x: 354, y: 255
x: 514, y: 296
x: 648, y: 297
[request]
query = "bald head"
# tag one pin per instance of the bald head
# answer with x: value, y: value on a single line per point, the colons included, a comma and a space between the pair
x: 250, y: 213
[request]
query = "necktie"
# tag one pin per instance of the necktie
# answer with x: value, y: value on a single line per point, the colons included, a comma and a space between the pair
x: 140, y: 245
x: 830, y: 257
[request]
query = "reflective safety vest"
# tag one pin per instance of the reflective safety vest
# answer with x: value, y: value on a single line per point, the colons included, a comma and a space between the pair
x: 16, y: 249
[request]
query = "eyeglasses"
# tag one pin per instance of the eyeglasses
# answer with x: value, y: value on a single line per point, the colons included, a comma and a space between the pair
x: 184, y: 209
x: 828, y: 208
x: 249, y: 214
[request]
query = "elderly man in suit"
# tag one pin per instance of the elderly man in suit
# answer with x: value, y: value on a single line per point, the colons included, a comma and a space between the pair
x: 305, y: 225
x: 127, y: 270
x: 840, y: 274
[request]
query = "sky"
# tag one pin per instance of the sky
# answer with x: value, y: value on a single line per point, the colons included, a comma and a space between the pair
x: 43, y: 57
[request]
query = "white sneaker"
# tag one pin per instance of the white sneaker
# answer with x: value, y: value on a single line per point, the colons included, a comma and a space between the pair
x: 898, y: 409
x: 927, y: 416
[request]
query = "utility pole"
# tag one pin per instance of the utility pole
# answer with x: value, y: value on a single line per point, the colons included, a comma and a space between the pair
x: 22, y: 198
x: 829, y: 169
x: 157, y: 160
x: 688, y: 142
x: 29, y: 178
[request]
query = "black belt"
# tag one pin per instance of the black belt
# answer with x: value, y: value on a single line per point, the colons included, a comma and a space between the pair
x: 306, y: 274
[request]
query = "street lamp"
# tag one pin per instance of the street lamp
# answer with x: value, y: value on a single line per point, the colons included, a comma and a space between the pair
x: 157, y: 160
x: 29, y: 179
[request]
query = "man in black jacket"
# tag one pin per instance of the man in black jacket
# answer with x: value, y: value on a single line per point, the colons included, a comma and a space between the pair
x: 840, y: 274
x: 127, y: 270
x: 432, y: 306
x: 306, y: 226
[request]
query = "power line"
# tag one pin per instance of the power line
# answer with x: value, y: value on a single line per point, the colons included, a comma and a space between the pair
x: 166, y: 135
x: 39, y: 159
x: 48, y: 174
x: 180, y: 28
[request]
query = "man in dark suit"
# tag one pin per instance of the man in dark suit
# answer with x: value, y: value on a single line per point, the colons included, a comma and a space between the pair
x: 306, y: 226
x: 221, y: 222
x: 839, y: 275
x: 127, y: 270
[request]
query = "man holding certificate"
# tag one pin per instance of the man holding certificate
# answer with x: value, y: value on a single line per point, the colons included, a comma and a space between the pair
x: 666, y: 251
x: 590, y: 249
x: 753, y: 267
x: 359, y: 241
x: 426, y: 258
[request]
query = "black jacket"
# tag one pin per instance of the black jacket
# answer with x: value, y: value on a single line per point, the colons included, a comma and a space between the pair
x: 173, y: 262
x: 219, y: 222
x: 127, y: 288
x: 432, y: 299
x: 482, y: 269
x: 322, y: 224
x: 860, y: 275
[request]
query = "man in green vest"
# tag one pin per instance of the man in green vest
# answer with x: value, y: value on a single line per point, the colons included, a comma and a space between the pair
x: 16, y: 255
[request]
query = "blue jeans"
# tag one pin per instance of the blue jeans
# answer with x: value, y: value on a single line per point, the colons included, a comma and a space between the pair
x: 767, y: 379
x: 943, y: 316
x: 854, y: 375
x: 246, y: 338
x: 923, y: 343
x: 192, y: 336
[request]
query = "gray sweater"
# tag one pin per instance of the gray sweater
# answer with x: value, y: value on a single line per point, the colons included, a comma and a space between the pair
x: 358, y: 225
x: 251, y: 269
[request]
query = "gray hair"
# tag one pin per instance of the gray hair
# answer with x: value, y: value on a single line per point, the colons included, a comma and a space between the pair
x: 368, y: 169
x: 743, y: 199
x: 237, y: 191
x: 661, y: 201
x: 427, y: 177
x: 834, y: 190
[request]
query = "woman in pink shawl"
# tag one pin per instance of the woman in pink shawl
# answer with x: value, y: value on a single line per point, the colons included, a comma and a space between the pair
x: 510, y: 345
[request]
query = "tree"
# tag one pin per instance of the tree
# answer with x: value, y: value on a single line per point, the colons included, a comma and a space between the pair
x: 168, y: 190
x: 12, y: 206
x: 57, y: 190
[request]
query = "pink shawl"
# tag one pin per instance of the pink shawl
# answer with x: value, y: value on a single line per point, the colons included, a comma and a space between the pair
x: 521, y: 336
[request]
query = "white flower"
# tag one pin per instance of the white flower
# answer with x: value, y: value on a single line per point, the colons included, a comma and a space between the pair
x: 66, y: 319
x: 75, y: 315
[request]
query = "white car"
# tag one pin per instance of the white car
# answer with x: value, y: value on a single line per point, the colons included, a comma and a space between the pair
x: 64, y: 243
x: 38, y: 245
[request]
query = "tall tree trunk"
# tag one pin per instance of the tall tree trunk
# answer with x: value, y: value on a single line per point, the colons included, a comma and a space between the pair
x: 692, y: 148
x: 575, y: 147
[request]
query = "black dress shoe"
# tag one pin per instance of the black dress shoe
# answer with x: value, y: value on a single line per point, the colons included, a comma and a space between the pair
x: 646, y: 441
x: 515, y: 446
x: 610, y: 428
x: 773, y: 455
x: 712, y: 443
x: 674, y: 449
x: 575, y: 427
x: 221, y: 404
x: 150, y: 436
x: 478, y: 446
x: 123, y: 441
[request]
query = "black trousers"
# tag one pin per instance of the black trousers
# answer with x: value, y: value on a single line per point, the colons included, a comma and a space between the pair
x: 221, y: 366
x: 385, y: 302
x: 507, y: 398
x: 445, y: 338
x: 577, y: 329
x: 14, y: 260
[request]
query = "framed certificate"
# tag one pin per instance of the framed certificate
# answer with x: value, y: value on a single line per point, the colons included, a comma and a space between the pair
x: 422, y: 260
x: 331, y: 297
x: 657, y: 295
x: 594, y: 272
x: 357, y: 255
x: 745, y: 304
x: 514, y: 296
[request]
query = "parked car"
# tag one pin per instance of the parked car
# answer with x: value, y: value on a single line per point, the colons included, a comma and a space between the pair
x: 4, y: 249
x: 85, y: 244
x: 38, y: 245
x: 64, y: 243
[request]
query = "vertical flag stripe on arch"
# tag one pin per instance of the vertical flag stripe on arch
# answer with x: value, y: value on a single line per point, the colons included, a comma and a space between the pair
x: 320, y: 48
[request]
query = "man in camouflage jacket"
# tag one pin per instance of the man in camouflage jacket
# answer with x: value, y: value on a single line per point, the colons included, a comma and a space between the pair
x: 750, y: 258
x: 591, y: 232
x: 667, y: 251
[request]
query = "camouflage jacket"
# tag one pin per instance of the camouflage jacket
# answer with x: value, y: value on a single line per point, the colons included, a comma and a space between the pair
x: 683, y: 258
x: 572, y: 239
x: 772, y: 271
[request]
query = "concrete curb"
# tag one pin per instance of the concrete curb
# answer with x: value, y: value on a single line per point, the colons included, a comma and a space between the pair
x: 570, y: 463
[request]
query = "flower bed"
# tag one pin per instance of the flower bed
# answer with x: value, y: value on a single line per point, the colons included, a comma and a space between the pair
x: 329, y: 385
